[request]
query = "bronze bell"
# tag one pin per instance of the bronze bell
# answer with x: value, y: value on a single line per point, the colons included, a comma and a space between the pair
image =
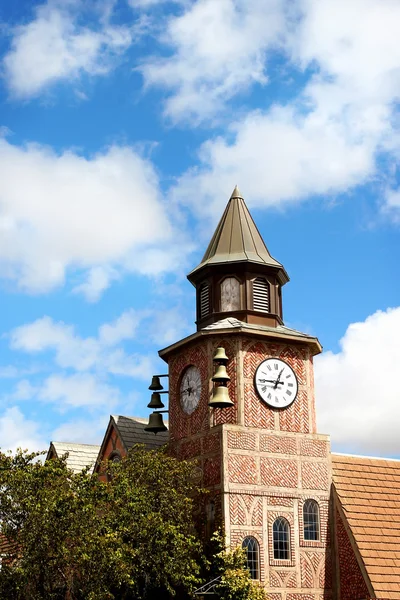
x: 155, y: 385
x: 220, y: 398
x: 220, y: 355
x: 221, y: 374
x: 155, y: 401
x: 156, y: 423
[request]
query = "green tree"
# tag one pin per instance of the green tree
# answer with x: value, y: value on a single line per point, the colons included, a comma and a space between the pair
x: 72, y: 537
x: 235, y: 580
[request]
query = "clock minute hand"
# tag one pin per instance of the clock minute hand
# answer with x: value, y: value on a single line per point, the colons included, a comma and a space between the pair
x: 279, y: 379
x: 275, y: 381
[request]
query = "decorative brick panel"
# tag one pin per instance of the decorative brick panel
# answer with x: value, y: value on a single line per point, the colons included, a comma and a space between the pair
x: 280, y: 501
x: 242, y: 469
x: 256, y: 412
x: 257, y: 513
x: 296, y: 417
x: 278, y: 472
x: 190, y: 449
x: 352, y: 584
x: 211, y: 443
x: 237, y: 511
x: 314, y: 476
x: 274, y: 596
x: 277, y: 444
x: 317, y: 448
x: 296, y: 361
x: 300, y: 597
x: 307, y: 572
x: 242, y: 440
x: 212, y: 471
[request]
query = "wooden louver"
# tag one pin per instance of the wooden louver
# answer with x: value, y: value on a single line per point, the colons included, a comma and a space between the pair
x: 261, y: 294
x: 204, y: 300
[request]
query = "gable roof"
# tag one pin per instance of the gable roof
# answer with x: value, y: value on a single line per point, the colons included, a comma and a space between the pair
x: 237, y: 239
x: 131, y: 431
x: 79, y: 457
x: 369, y: 493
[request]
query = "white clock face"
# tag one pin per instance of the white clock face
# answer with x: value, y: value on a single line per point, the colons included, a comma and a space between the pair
x: 230, y: 294
x: 190, y: 389
x: 276, y: 383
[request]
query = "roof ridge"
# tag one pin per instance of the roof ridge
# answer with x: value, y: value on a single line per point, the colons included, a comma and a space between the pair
x: 364, y: 456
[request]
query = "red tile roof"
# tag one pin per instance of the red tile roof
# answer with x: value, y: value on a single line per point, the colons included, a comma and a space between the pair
x: 369, y: 493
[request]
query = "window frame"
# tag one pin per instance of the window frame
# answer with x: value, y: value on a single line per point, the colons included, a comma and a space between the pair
x: 315, y: 518
x: 252, y: 562
x: 277, y: 530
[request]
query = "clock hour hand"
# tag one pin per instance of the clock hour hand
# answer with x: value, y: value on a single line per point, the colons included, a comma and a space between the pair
x: 279, y: 379
x: 274, y: 381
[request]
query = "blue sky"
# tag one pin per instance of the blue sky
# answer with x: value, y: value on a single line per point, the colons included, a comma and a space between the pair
x: 125, y: 125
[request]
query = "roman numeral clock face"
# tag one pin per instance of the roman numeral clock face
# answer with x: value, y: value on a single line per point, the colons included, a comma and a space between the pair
x: 276, y: 383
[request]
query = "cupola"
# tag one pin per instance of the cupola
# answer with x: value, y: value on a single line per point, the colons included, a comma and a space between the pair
x: 237, y: 276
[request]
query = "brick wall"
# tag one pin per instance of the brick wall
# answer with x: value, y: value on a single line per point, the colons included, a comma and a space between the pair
x: 352, y: 584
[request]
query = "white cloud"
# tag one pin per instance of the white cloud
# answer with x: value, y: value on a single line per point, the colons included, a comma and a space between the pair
x: 16, y: 431
x: 54, y: 47
x: 219, y: 50
x: 82, y: 431
x: 102, y: 214
x: 78, y: 390
x: 357, y: 389
x: 84, y: 354
x: 326, y: 138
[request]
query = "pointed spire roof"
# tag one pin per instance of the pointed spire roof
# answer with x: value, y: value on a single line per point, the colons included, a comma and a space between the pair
x: 237, y: 239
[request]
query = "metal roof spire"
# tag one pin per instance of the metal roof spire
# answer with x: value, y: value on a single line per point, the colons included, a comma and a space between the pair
x: 237, y: 239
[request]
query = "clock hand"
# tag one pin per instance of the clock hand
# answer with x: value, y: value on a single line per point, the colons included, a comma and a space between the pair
x: 275, y: 381
x: 279, y: 379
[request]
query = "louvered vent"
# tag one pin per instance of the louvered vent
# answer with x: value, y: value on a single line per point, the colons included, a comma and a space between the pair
x: 261, y: 294
x: 204, y: 300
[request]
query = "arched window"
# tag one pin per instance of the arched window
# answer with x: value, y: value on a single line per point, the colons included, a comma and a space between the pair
x: 261, y: 294
x: 204, y: 300
x: 230, y: 294
x: 250, y: 544
x: 311, y: 520
x: 281, y: 537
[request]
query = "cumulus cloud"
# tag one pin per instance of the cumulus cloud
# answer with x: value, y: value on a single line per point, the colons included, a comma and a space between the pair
x: 218, y: 50
x: 54, y: 47
x: 16, y: 431
x: 344, y: 60
x: 84, y: 354
x: 357, y: 387
x: 103, y: 215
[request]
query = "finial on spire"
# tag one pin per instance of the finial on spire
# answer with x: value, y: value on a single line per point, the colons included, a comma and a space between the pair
x: 236, y: 193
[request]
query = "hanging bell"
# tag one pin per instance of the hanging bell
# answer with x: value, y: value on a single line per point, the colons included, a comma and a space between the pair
x: 220, y: 356
x: 156, y: 423
x: 220, y: 398
x: 155, y: 385
x: 155, y: 401
x: 221, y: 375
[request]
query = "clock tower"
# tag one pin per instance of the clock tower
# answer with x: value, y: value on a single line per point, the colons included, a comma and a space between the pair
x: 266, y: 467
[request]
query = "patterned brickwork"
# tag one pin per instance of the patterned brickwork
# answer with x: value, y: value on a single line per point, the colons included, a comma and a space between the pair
x: 300, y: 597
x: 242, y: 469
x: 274, y: 596
x: 278, y: 472
x: 237, y: 510
x: 296, y: 417
x: 352, y: 584
x: 228, y: 415
x: 317, y: 448
x: 314, y: 476
x: 212, y: 443
x: 307, y: 572
x: 181, y: 424
x: 257, y: 513
x: 280, y: 501
x: 242, y: 440
x: 256, y: 413
x: 277, y: 445
x: 212, y: 471
x: 190, y: 449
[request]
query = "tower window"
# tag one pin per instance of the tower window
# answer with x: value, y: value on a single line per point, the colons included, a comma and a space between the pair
x: 261, y: 294
x: 281, y: 538
x: 250, y: 544
x: 230, y: 294
x: 311, y: 520
x: 204, y: 300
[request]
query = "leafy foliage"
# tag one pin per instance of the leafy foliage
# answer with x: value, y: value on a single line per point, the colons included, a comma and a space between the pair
x: 235, y: 582
x: 71, y: 536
